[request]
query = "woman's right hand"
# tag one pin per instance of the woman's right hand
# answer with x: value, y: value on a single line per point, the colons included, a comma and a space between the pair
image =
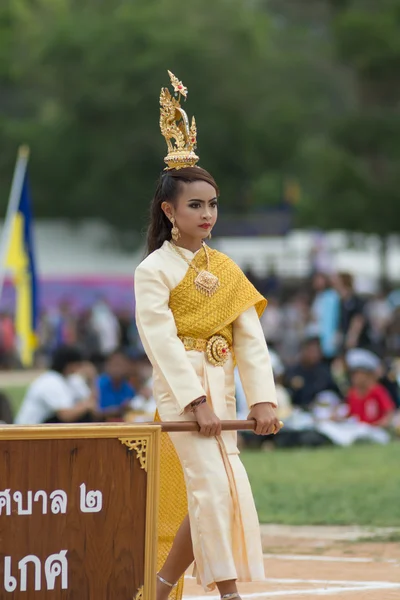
x: 208, y: 421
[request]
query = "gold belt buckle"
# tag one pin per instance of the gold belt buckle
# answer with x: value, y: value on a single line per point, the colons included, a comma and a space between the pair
x: 217, y: 350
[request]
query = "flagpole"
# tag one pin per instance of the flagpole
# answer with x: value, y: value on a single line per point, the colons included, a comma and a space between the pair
x: 13, y: 201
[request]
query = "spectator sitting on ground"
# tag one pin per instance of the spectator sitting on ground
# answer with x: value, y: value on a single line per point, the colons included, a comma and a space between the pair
x: 367, y: 399
x: 328, y: 406
x: 143, y: 406
x: 141, y: 369
x: 52, y: 399
x: 82, y: 381
x: 114, y: 389
x: 310, y: 376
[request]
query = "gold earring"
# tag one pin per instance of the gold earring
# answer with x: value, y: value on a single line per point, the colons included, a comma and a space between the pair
x: 209, y: 236
x: 175, y: 233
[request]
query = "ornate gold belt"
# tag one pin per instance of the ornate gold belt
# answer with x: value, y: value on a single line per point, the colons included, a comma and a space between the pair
x: 216, y: 348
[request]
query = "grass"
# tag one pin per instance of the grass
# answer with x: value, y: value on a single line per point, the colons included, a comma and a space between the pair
x: 359, y: 485
x: 15, y: 393
x: 327, y: 486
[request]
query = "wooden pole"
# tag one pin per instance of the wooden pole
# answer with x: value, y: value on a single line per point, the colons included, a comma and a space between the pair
x: 176, y: 426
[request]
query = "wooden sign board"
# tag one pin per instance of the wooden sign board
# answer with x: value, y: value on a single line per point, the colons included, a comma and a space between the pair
x: 78, y: 512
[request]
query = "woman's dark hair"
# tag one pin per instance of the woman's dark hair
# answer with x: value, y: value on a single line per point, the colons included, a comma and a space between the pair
x: 168, y: 188
x: 64, y: 356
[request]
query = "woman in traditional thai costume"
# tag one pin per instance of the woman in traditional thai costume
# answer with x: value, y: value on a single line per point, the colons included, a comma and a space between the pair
x: 198, y: 316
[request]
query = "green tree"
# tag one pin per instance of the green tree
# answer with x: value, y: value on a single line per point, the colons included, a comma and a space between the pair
x: 88, y: 77
x: 353, y: 179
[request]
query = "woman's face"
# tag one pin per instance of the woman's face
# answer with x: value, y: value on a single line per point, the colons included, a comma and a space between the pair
x: 195, y: 210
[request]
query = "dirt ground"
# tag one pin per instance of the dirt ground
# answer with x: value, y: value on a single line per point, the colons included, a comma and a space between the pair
x: 311, y: 562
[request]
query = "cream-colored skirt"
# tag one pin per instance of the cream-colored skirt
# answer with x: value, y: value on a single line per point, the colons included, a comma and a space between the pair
x: 223, y: 518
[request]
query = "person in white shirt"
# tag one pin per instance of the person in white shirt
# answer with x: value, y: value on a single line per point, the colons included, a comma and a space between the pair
x: 53, y: 397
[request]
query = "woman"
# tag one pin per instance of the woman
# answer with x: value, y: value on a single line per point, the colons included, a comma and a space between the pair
x: 197, y: 315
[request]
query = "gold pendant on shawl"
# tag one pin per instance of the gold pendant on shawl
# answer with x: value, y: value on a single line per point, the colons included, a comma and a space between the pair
x: 206, y: 283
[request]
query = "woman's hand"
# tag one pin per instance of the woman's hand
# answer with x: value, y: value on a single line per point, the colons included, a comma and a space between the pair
x: 208, y: 421
x: 267, y: 422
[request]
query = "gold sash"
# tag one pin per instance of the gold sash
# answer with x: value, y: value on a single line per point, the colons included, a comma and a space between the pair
x: 199, y: 316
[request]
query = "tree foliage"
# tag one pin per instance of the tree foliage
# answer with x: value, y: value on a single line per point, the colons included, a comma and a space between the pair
x: 357, y: 167
x: 278, y: 90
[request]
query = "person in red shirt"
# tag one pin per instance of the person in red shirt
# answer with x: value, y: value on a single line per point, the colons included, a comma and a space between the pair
x: 367, y: 400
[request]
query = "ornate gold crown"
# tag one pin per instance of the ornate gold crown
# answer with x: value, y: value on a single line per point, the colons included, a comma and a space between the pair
x: 174, y: 125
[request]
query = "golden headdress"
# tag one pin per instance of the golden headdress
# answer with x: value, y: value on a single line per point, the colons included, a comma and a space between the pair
x: 174, y: 125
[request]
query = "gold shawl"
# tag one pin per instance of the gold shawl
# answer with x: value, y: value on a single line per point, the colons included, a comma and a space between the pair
x: 199, y: 316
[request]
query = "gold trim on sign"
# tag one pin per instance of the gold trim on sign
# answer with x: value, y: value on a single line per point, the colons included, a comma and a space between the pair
x: 152, y: 498
x: 139, y: 594
x: 75, y: 431
x: 140, y: 447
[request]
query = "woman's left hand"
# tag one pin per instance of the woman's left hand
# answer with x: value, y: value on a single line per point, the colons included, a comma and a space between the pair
x: 264, y: 414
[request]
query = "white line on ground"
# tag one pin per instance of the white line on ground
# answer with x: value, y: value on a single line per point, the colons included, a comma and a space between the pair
x: 337, y: 582
x: 330, y: 558
x: 365, y: 587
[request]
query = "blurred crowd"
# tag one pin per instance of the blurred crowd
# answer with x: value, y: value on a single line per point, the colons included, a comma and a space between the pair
x: 336, y: 360
x: 96, y: 331
x: 74, y: 390
x: 335, y: 356
x: 330, y: 308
